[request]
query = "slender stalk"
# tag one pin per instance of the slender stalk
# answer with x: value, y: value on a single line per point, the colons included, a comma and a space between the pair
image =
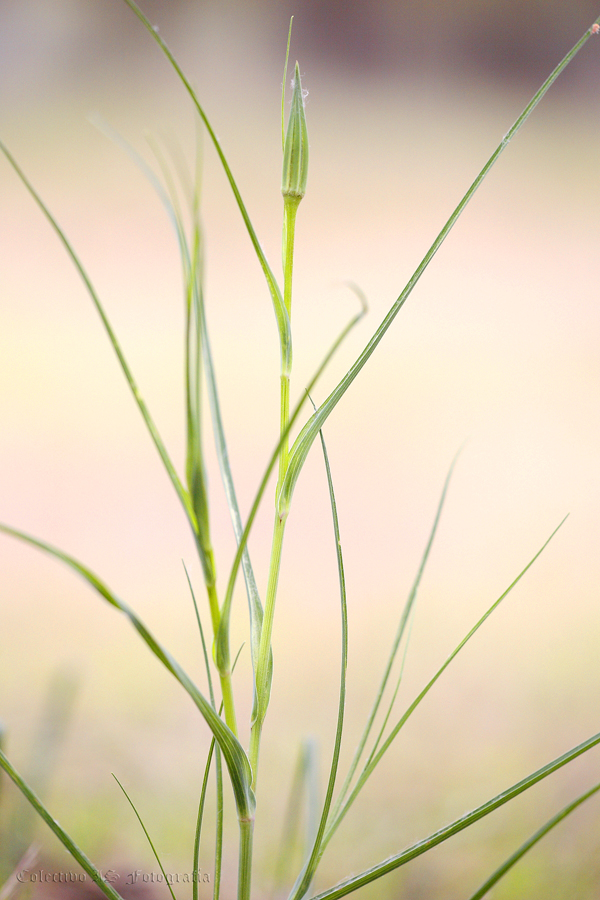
x: 293, y: 188
x: 245, y: 861
x: 264, y: 651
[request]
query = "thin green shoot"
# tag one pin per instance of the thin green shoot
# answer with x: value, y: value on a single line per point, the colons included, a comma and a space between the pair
x: 408, y: 607
x: 306, y: 875
x: 148, y: 838
x: 273, y: 572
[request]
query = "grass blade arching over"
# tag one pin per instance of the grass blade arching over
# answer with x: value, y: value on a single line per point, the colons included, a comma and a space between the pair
x: 181, y: 492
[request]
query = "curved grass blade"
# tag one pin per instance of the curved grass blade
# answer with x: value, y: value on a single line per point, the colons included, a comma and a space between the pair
x: 409, y: 605
x: 303, y: 442
x: 179, y: 488
x: 542, y: 832
x: 191, y: 263
x: 235, y: 757
x: 304, y: 879
x: 148, y: 838
x: 86, y: 864
x: 192, y: 267
x: 375, y: 758
x: 438, y: 837
x: 255, y: 608
x: 283, y: 322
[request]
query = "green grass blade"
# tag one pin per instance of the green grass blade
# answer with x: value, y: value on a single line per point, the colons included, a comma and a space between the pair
x: 235, y: 757
x: 218, y: 777
x: 438, y: 837
x: 198, y: 832
x: 148, y: 838
x: 304, y: 879
x: 283, y: 322
x: 303, y: 443
x: 192, y: 267
x: 409, y: 605
x: 542, y: 832
x: 191, y: 263
x: 179, y: 488
x: 86, y: 864
x: 374, y: 760
x: 254, y: 604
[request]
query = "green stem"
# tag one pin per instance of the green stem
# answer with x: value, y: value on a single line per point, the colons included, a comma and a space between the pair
x: 245, y: 861
x: 284, y: 418
x: 264, y: 650
x: 290, y: 208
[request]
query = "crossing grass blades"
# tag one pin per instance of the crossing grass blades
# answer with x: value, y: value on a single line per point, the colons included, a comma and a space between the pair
x: 217, y: 704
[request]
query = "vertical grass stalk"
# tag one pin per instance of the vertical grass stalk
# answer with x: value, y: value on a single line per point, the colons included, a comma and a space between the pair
x: 293, y: 189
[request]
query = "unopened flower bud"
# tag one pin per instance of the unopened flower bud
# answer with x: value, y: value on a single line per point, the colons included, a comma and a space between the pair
x: 295, y: 152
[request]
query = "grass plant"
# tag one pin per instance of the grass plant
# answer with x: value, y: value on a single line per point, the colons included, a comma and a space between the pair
x: 231, y: 759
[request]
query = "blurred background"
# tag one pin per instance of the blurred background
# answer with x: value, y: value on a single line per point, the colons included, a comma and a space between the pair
x: 496, y: 351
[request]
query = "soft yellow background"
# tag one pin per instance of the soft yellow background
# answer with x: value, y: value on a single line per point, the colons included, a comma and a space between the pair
x: 497, y: 349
